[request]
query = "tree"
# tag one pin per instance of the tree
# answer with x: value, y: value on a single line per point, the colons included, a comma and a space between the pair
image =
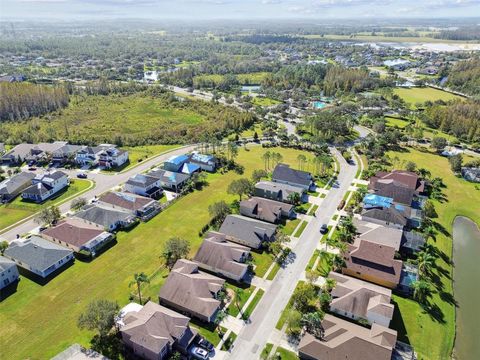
x: 294, y: 198
x: 304, y: 297
x: 439, y: 143
x: 238, y: 297
x: 329, y: 284
x: 421, y: 291
x: 293, y: 322
x: 240, y: 187
x: 302, y: 159
x: 3, y: 246
x: 266, y: 159
x: 49, y: 215
x: 232, y: 151
x: 218, y: 211
x: 429, y: 210
x: 255, y: 136
x: 456, y: 163
x: 410, y: 166
x: 99, y: 316
x: 139, y: 279
x: 425, y: 261
x: 175, y: 249
x: 78, y: 203
x: 258, y: 174
x: 312, y: 322
x: 312, y: 276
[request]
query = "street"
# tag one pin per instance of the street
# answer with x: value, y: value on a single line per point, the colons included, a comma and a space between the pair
x: 254, y: 336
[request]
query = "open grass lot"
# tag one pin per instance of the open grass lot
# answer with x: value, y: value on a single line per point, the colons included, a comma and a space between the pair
x: 40, y: 321
x: 413, y: 96
x: 264, y: 101
x: 396, y: 122
x: 432, y: 334
x: 244, y: 79
x: 251, y: 132
x: 138, y: 154
x: 18, y: 210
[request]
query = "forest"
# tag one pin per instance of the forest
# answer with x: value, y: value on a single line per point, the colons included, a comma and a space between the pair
x: 464, y: 76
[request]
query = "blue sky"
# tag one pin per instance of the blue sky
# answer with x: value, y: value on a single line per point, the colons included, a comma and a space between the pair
x: 237, y: 9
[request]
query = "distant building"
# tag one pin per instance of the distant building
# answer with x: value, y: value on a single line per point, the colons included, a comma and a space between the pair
x: 471, y: 174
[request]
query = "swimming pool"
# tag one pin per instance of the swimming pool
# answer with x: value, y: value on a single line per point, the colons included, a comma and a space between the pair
x: 319, y: 104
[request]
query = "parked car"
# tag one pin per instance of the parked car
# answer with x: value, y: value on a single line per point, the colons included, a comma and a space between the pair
x: 199, y: 353
x: 323, y: 229
x: 82, y: 176
x: 32, y: 168
x: 207, y: 345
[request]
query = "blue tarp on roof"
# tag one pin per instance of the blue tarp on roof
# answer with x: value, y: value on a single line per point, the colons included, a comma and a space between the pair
x: 178, y: 160
x: 189, y: 168
x: 376, y: 200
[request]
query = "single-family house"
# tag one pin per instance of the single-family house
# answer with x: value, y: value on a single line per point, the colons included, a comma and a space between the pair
x: 390, y: 188
x: 191, y: 291
x: 12, y: 187
x: 357, y: 299
x: 284, y: 174
x: 265, y: 209
x: 404, y: 178
x: 154, y: 331
x: 189, y: 168
x: 345, y: 340
x: 38, y: 255
x: 78, y: 235
x: 140, y: 206
x: 170, y: 180
x: 66, y: 153
x: 13, y: 78
x: 144, y: 185
x: 88, y: 156
x: 175, y: 163
x: 111, y: 157
x: 278, y: 191
x: 205, y: 162
x: 16, y: 155
x: 8, y: 272
x: 246, y: 231
x: 220, y: 256
x: 383, y: 235
x: 30, y: 152
x: 386, y: 216
x: 107, y: 217
x: 45, y: 185
x: 373, y: 262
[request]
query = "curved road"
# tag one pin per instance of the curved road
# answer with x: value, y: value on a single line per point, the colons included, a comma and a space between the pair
x: 254, y: 336
x: 103, y: 182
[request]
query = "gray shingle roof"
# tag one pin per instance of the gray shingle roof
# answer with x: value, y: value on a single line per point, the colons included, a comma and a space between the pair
x: 253, y: 232
x: 37, y: 253
x: 16, y: 182
x: 6, y: 264
x: 283, y: 172
x: 141, y: 180
x: 103, y: 216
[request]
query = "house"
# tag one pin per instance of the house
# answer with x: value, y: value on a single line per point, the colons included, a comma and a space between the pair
x: 154, y: 331
x: 265, y: 209
x: 78, y: 235
x: 144, y: 185
x: 12, y: 187
x: 345, y: 340
x: 246, y: 231
x: 395, y: 190
x: 206, y: 162
x: 405, y: 178
x: 471, y: 174
x: 140, y: 206
x: 111, y: 157
x: 8, y: 272
x: 66, y: 153
x: 373, y: 262
x: 77, y: 352
x: 189, y: 168
x: 108, y: 218
x: 191, y: 291
x: 38, y: 255
x: 170, y: 180
x: 278, y: 191
x: 390, y: 216
x: 284, y: 174
x: 42, y: 151
x: 384, y: 235
x: 88, y: 156
x: 45, y: 185
x: 412, y: 242
x: 175, y: 163
x: 220, y: 256
x: 30, y: 152
x: 357, y: 299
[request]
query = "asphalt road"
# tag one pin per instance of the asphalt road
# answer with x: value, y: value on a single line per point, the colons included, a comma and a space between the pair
x: 254, y: 336
x: 103, y: 182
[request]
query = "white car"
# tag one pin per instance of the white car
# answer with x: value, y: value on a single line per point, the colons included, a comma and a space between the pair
x: 199, y: 353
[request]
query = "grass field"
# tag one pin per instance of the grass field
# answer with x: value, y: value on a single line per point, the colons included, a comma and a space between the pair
x: 414, y: 324
x: 138, y: 154
x: 302, y: 227
x: 414, y: 96
x: 392, y: 121
x: 264, y: 101
x: 18, y: 209
x: 290, y: 226
x: 40, y: 321
x: 233, y: 309
x: 244, y: 79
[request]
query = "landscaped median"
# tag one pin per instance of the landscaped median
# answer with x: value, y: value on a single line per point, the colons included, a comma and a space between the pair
x: 19, y: 211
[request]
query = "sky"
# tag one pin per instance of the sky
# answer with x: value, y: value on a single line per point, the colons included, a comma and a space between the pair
x: 236, y: 9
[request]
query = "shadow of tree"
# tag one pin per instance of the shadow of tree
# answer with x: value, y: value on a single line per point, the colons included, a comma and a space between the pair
x: 449, y: 298
x: 435, y: 312
x: 108, y: 345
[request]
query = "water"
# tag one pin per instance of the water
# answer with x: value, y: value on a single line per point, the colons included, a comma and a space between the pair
x: 466, y: 249
x: 319, y: 104
x: 395, y: 62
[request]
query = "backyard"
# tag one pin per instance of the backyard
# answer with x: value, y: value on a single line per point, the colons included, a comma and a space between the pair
x: 36, y: 314
x: 416, y: 325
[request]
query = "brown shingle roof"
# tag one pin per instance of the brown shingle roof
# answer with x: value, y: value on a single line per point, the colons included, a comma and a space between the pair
x: 191, y: 289
x: 345, y: 340
x: 221, y: 255
x: 74, y: 232
x: 264, y: 209
x: 379, y: 234
x: 127, y: 201
x: 407, y: 178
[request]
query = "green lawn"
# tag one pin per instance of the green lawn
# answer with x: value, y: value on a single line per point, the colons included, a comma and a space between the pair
x: 262, y: 262
x: 313, y: 210
x: 421, y: 327
x: 286, y: 354
x: 314, y: 257
x: 264, y: 101
x: 274, y: 271
x: 40, y: 321
x: 393, y: 121
x: 249, y: 133
x: 290, y: 226
x: 302, y: 227
x: 324, y: 265
x: 18, y: 209
x: 266, y: 351
x: 247, y: 78
x: 253, y: 304
x: 137, y: 154
x: 233, y: 308
x: 413, y: 96
x: 283, y: 316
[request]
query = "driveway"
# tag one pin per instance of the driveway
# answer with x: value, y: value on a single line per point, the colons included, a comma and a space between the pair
x: 103, y: 182
x: 253, y: 337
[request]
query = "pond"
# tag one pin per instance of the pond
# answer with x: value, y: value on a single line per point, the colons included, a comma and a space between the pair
x: 466, y: 251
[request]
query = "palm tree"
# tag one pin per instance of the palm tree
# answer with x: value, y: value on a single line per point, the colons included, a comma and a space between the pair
x: 138, y: 279
x: 338, y: 262
x: 266, y: 158
x: 429, y: 232
x: 425, y: 261
x: 421, y: 290
x: 313, y: 323
x: 329, y: 284
x: 238, y: 296
x: 301, y: 161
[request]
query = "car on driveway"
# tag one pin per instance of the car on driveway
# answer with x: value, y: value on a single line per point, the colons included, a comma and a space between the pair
x: 323, y: 229
x: 199, y: 353
x: 207, y: 345
x: 82, y: 176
